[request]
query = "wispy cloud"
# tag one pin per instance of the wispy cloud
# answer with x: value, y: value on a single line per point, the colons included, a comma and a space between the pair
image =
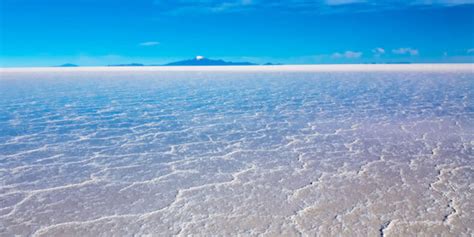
x: 470, y: 51
x: 204, y: 6
x: 149, y: 43
x: 378, y: 52
x: 403, y: 51
x: 343, y: 2
x: 442, y: 2
x: 315, y: 6
x: 347, y: 54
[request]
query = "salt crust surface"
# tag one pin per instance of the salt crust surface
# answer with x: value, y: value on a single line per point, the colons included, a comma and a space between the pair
x: 277, y: 151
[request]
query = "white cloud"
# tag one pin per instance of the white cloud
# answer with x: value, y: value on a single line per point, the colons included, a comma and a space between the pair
x: 315, y: 6
x: 205, y: 6
x: 442, y: 2
x: 149, y: 43
x: 347, y: 54
x: 403, y: 51
x: 343, y: 2
x: 378, y: 51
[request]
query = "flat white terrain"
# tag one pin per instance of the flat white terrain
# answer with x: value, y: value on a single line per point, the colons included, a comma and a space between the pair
x: 331, y: 150
x: 261, y: 68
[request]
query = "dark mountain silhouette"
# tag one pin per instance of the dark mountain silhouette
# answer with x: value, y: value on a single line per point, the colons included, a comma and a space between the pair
x: 127, y: 65
x: 68, y: 65
x: 200, y: 61
x: 387, y: 63
x: 272, y: 64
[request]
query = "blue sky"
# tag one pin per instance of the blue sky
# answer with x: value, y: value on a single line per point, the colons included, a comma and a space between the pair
x: 92, y: 32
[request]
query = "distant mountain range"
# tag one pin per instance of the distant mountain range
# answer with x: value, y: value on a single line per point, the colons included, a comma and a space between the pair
x: 68, y: 65
x: 198, y: 61
x: 201, y: 61
x: 127, y: 65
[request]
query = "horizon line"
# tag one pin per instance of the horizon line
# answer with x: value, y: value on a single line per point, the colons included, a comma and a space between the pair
x: 256, y: 64
x: 255, y: 68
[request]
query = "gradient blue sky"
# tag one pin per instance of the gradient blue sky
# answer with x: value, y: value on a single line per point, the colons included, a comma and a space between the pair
x: 93, y: 32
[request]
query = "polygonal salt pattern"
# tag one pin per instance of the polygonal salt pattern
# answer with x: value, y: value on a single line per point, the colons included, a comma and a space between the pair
x: 237, y: 153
